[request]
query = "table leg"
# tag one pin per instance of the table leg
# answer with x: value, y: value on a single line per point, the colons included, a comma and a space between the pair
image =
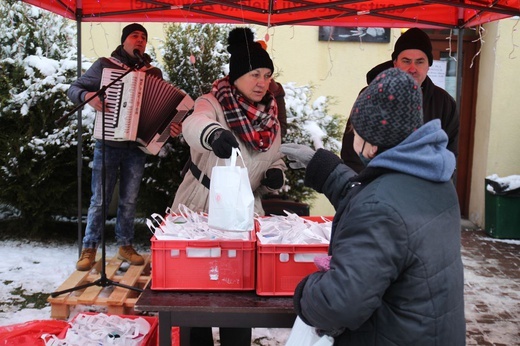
x: 165, y: 328
x: 184, y: 336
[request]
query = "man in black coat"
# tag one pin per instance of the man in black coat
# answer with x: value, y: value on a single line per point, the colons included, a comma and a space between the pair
x: 413, y: 54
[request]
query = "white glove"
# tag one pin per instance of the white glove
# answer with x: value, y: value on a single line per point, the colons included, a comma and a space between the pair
x: 300, y: 155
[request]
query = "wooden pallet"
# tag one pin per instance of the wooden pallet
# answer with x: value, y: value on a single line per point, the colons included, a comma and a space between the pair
x: 119, y: 300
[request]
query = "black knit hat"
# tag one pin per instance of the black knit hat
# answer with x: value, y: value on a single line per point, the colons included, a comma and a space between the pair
x: 389, y: 109
x: 246, y: 54
x: 130, y: 28
x: 414, y: 39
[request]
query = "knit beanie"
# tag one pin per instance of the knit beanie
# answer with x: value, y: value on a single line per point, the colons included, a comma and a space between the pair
x: 389, y: 109
x: 414, y: 39
x: 246, y: 54
x: 130, y: 28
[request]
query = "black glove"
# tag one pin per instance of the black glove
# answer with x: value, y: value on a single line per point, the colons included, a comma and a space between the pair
x: 273, y: 178
x: 222, y: 142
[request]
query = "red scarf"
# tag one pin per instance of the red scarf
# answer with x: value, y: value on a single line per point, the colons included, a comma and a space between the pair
x: 253, y: 126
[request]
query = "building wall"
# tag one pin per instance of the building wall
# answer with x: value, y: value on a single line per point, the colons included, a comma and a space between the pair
x: 337, y: 70
x: 497, y: 113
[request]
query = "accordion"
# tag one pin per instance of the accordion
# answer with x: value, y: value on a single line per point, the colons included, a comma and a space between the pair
x: 141, y: 108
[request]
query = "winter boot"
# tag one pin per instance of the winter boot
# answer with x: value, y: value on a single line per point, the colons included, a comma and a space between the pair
x: 86, y: 260
x: 127, y: 253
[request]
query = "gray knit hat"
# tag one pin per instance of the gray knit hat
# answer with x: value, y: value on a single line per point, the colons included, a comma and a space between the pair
x: 389, y: 109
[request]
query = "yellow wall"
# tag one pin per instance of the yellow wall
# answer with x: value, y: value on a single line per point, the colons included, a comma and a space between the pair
x: 337, y: 69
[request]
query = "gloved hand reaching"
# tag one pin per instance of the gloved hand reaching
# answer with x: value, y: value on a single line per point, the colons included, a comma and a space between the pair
x: 222, y: 141
x: 273, y: 178
x: 300, y: 155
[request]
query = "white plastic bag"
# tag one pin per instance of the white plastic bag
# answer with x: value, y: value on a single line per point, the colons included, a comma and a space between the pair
x: 231, y: 200
x: 305, y: 335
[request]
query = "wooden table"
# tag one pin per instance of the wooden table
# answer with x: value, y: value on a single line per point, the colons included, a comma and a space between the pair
x: 239, y: 309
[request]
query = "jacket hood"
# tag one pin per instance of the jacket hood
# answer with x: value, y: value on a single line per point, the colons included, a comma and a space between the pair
x: 422, y: 154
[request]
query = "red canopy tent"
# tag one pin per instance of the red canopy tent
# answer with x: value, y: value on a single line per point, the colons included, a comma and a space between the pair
x: 357, y: 13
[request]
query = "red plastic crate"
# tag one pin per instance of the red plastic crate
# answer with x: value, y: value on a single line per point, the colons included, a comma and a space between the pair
x: 281, y: 267
x: 203, y: 265
x: 150, y: 339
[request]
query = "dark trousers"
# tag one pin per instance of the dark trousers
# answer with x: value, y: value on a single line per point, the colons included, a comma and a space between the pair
x: 202, y: 336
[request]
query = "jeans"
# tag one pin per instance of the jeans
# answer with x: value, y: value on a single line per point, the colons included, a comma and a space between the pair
x: 128, y: 163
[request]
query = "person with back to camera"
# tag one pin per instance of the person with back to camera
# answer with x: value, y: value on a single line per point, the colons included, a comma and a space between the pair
x: 394, y: 275
x: 122, y: 158
x: 239, y: 112
x: 413, y: 54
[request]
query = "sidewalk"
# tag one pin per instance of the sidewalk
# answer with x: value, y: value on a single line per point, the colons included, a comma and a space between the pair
x: 492, y: 288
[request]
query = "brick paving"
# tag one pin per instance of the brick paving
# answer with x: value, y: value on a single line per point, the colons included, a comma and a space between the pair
x: 492, y: 288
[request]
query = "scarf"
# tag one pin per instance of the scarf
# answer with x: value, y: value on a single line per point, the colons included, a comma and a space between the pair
x: 253, y: 126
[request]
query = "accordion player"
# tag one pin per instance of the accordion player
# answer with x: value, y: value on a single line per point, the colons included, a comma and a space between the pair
x: 141, y: 109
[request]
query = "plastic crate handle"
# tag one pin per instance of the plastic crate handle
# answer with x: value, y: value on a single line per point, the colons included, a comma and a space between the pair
x: 205, y: 252
x: 300, y: 257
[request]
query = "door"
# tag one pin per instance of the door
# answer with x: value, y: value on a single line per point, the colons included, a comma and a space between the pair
x: 445, y: 48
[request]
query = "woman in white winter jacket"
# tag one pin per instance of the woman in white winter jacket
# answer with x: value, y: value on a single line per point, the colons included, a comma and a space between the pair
x: 238, y: 112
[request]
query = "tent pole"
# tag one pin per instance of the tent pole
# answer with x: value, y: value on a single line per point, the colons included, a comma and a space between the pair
x: 80, y: 142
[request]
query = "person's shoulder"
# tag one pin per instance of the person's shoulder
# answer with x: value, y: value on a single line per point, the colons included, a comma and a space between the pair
x: 154, y: 71
x: 208, y: 97
x: 440, y: 92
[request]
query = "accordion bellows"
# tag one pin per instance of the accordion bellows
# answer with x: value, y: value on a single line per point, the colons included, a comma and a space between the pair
x: 141, y: 108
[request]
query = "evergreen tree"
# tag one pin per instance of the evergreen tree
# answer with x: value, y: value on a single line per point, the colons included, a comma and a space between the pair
x: 195, y: 56
x: 37, y: 157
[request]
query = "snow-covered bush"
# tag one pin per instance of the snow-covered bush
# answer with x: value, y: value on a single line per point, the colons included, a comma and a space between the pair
x: 309, y: 123
x: 37, y: 156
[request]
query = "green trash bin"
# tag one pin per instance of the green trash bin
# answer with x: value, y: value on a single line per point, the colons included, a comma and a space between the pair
x: 502, y: 211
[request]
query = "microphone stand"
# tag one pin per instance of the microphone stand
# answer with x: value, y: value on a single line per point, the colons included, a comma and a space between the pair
x: 103, y: 280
